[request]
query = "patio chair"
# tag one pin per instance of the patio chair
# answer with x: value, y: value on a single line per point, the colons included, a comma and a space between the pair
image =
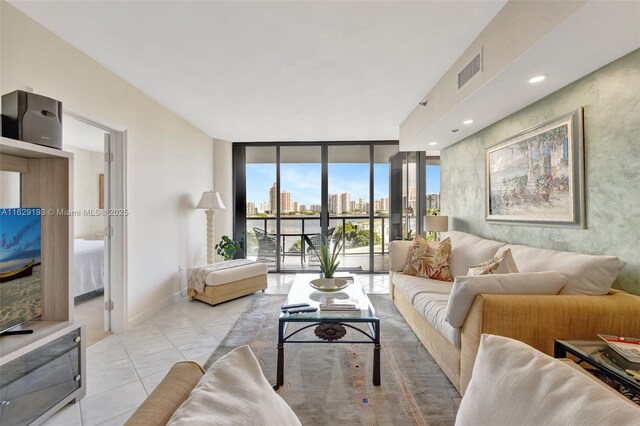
x: 316, y: 240
x: 267, y: 247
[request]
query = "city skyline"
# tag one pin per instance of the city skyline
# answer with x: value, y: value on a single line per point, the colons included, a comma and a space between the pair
x: 302, y: 182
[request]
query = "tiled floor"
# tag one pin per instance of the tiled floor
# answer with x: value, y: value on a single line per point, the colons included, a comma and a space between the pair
x: 91, y: 313
x: 122, y: 369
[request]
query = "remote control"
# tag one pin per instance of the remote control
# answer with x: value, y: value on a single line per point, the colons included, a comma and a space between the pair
x: 294, y: 305
x: 301, y: 310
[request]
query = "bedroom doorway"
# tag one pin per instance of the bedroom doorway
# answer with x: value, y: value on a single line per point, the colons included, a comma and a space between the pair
x: 98, y: 231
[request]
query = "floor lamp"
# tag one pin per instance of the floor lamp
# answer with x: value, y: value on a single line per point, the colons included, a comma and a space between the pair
x: 211, y: 202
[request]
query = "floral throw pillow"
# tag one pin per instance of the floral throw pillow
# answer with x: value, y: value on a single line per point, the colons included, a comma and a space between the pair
x: 430, y: 259
x: 503, y: 263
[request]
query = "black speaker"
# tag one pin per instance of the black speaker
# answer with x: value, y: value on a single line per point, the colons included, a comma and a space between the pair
x: 32, y: 118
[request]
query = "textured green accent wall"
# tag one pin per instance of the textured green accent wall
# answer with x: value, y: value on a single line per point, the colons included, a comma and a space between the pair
x: 611, y: 100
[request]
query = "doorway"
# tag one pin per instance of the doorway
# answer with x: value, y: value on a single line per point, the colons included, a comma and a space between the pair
x: 99, y: 224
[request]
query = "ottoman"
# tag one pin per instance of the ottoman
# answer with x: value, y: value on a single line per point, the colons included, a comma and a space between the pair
x: 228, y: 280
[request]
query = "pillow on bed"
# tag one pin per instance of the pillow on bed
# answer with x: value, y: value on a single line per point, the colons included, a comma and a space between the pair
x: 234, y: 391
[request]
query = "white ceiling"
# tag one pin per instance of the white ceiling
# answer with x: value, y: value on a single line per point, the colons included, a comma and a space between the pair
x: 595, y: 35
x: 250, y: 71
x: 82, y: 135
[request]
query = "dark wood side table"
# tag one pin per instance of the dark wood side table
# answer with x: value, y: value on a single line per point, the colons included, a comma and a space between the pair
x: 592, y: 353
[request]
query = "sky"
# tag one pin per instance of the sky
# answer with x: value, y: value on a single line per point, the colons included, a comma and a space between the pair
x: 302, y: 180
x: 19, y: 236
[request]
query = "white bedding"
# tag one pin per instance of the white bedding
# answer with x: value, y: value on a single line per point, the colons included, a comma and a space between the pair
x: 88, y: 265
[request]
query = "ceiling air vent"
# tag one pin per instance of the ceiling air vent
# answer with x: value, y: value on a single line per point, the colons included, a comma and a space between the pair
x: 469, y: 71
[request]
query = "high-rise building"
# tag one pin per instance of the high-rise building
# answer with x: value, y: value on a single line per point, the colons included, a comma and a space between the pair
x: 295, y: 207
x: 273, y: 198
x: 251, y: 208
x: 384, y: 204
x: 345, y: 201
x: 315, y: 208
x: 303, y: 208
x: 285, y: 201
x: 335, y: 204
x: 265, y: 207
x: 433, y: 201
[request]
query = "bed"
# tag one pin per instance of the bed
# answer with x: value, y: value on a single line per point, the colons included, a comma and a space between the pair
x: 88, y: 257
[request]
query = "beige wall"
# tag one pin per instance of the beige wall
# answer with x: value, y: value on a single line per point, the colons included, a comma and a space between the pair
x: 87, y: 166
x: 223, y: 183
x: 169, y: 161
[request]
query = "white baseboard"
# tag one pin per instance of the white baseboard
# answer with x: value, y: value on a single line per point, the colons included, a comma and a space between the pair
x: 149, y: 313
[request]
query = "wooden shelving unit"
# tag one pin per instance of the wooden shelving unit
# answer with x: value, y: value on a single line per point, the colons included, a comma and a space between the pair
x: 46, y: 183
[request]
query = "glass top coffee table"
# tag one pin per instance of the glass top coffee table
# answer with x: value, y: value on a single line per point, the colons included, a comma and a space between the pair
x: 361, y: 326
x: 593, y: 353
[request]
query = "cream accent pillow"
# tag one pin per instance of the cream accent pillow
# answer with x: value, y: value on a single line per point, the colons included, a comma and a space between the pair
x: 587, y: 274
x: 466, y: 288
x: 234, y: 391
x: 503, y: 263
x: 514, y: 384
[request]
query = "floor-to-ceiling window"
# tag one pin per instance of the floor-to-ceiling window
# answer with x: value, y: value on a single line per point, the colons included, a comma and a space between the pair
x: 349, y: 203
x: 287, y: 195
x: 432, y: 185
x: 260, y: 206
x: 300, y: 205
x: 414, y: 193
x: 382, y: 155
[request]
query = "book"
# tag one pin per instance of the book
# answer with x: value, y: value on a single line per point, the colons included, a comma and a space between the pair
x: 627, y: 347
x: 339, y: 305
x: 339, y: 309
x: 619, y: 360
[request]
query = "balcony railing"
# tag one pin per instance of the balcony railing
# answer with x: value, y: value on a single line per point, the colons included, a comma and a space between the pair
x: 355, y: 247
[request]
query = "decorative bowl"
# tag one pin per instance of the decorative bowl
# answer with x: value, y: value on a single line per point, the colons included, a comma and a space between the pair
x: 329, y: 284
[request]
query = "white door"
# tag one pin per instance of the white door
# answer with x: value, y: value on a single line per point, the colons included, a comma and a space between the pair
x: 108, y: 232
x: 115, y: 243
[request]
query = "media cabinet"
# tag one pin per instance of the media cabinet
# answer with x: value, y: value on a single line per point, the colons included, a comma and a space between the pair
x: 42, y: 372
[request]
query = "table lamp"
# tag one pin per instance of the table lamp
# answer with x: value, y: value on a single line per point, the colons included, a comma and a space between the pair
x: 435, y: 225
x: 210, y: 202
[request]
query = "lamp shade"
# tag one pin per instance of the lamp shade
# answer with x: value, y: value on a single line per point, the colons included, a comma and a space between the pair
x: 436, y: 223
x: 211, y: 200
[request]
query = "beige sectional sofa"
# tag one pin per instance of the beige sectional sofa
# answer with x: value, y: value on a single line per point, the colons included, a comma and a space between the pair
x: 584, y: 307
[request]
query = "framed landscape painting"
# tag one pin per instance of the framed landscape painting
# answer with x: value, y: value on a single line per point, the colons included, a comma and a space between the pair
x: 537, y: 176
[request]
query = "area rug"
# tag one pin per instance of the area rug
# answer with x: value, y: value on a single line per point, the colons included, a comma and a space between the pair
x: 331, y: 384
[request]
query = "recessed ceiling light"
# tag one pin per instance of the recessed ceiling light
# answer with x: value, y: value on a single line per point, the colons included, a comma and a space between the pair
x: 454, y: 130
x: 433, y: 143
x: 537, y: 79
x: 467, y: 122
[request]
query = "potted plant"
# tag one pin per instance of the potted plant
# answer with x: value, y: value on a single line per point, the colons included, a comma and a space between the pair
x: 328, y: 258
x: 227, y: 248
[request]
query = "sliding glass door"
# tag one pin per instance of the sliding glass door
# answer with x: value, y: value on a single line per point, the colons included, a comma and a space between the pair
x: 349, y: 203
x: 300, y: 205
x: 287, y: 195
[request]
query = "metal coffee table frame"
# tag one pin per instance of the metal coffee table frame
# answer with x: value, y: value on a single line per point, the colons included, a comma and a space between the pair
x: 331, y: 327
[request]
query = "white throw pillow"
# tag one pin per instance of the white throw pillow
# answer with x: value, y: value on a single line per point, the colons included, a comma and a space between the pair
x: 587, y: 274
x: 466, y: 288
x: 234, y: 391
x: 469, y: 249
x: 514, y: 384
